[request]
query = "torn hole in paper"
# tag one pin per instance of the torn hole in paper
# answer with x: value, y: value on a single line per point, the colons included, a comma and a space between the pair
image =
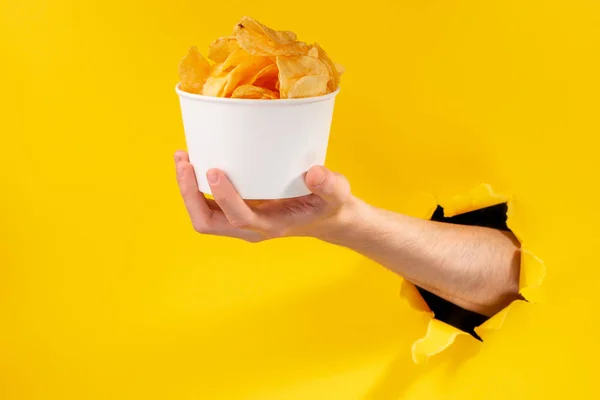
x: 481, y: 206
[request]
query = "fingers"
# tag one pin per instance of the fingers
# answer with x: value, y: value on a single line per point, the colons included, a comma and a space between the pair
x: 238, y: 213
x: 330, y: 186
x: 195, y: 202
x: 205, y: 214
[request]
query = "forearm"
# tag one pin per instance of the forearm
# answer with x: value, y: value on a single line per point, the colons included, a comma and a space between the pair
x: 475, y: 268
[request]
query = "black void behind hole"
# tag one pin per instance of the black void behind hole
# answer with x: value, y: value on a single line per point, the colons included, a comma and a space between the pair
x: 491, y: 217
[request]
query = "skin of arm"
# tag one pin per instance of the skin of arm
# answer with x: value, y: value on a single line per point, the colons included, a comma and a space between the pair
x: 473, y: 267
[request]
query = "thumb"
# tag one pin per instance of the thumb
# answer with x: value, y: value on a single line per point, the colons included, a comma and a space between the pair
x: 330, y: 186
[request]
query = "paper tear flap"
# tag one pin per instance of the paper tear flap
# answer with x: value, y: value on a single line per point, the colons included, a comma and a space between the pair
x: 477, y: 198
x: 439, y: 335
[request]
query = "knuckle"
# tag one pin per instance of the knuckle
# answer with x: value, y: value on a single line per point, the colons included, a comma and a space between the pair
x: 183, y: 189
x: 346, y: 190
x: 329, y: 187
x: 313, y: 202
x: 200, y: 227
x: 239, y: 223
x: 221, y: 198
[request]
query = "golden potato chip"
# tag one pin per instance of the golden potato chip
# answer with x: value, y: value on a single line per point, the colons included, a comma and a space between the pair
x: 214, y: 86
x: 309, y: 86
x: 221, y: 48
x: 266, y: 77
x: 259, y: 62
x: 331, y: 67
x: 298, y: 66
x: 291, y: 36
x: 340, y: 68
x: 260, y: 40
x: 244, y: 70
x: 234, y: 59
x: 193, y: 71
x: 292, y: 68
x: 253, y: 92
x: 279, y: 37
x: 217, y: 70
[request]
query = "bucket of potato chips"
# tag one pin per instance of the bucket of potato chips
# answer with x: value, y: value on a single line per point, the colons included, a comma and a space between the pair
x: 264, y: 147
x: 260, y: 109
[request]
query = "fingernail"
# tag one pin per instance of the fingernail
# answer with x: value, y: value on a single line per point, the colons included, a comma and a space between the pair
x: 180, y: 170
x: 177, y: 158
x: 321, y: 178
x: 212, y: 176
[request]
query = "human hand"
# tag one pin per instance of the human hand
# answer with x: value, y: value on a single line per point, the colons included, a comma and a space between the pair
x: 323, y: 214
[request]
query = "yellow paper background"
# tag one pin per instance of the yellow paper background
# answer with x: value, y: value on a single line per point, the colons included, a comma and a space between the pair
x: 107, y: 293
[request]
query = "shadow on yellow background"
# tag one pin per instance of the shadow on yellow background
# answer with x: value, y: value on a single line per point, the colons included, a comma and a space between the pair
x: 107, y: 293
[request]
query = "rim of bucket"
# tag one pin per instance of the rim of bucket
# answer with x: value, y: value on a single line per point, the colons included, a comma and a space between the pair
x: 213, y: 99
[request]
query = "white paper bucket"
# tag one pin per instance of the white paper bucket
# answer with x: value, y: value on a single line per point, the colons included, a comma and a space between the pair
x: 264, y: 146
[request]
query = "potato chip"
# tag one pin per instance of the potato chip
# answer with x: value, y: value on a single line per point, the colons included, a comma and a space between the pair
x: 221, y: 48
x: 266, y: 77
x: 279, y: 37
x: 260, y: 40
x: 234, y: 59
x: 254, y: 92
x: 259, y: 62
x: 331, y: 67
x: 291, y: 36
x: 193, y: 71
x: 214, y: 86
x: 340, y: 68
x: 292, y: 68
x: 217, y: 70
x: 309, y: 86
x: 244, y: 70
x: 297, y: 66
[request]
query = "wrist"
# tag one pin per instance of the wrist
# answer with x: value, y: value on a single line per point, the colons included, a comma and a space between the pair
x: 351, y: 225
